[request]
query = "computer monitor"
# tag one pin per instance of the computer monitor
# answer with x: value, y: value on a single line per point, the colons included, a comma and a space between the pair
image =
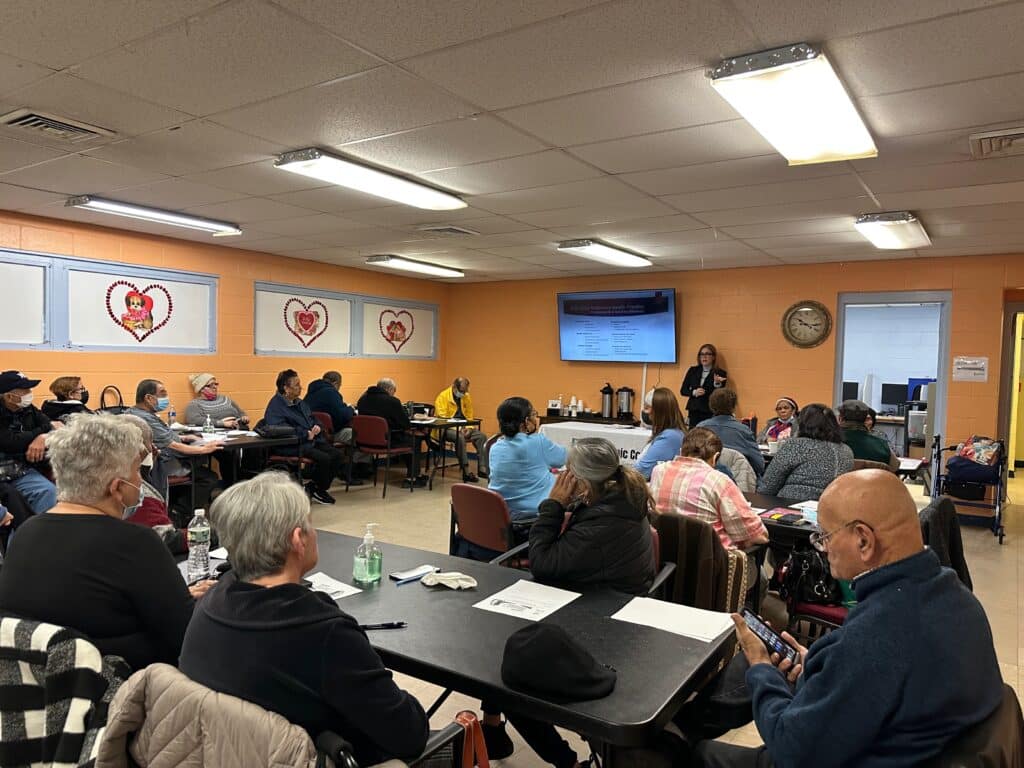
x: 851, y: 390
x: 894, y: 395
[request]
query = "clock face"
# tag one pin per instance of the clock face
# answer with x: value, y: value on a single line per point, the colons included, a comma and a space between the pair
x: 806, y: 324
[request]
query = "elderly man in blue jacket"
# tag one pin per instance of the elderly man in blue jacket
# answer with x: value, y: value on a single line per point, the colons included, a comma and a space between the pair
x: 731, y: 431
x: 912, y: 667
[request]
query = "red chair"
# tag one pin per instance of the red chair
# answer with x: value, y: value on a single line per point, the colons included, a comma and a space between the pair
x: 481, y: 517
x: 819, y: 620
x: 372, y: 436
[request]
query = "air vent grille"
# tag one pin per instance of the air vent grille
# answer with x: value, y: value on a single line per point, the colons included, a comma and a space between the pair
x: 60, y: 129
x: 449, y: 230
x: 1004, y: 143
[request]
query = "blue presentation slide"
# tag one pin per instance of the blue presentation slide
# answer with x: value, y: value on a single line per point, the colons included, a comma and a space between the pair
x: 618, y: 326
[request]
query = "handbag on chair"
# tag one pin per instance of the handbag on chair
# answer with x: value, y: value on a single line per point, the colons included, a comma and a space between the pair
x: 807, y: 579
x: 118, y: 408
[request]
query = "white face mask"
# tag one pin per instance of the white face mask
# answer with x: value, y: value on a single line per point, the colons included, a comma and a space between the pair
x: 148, y: 460
x: 26, y: 400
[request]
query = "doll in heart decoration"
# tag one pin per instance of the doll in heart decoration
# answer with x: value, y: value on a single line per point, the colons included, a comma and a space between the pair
x: 307, y: 322
x: 139, y: 314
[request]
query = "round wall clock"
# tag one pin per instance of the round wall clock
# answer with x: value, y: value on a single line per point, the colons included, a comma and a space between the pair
x: 806, y: 324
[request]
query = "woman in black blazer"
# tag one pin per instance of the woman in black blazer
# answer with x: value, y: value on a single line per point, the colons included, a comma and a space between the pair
x: 699, y: 382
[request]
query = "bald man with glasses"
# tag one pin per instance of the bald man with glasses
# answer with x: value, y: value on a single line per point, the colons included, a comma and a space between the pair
x: 912, y: 667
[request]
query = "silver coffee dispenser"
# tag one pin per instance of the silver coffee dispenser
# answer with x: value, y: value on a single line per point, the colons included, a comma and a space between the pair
x: 625, y: 398
x: 607, y: 401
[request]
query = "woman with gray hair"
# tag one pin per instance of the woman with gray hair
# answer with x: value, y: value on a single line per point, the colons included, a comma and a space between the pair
x: 316, y: 666
x: 81, y: 566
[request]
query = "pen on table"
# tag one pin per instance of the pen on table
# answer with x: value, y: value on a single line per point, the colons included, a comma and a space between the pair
x: 409, y: 580
x: 385, y: 625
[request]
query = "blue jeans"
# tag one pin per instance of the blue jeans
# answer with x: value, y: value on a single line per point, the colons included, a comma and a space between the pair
x: 39, y: 492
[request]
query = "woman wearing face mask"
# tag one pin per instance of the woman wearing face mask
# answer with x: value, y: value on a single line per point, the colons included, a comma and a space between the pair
x: 81, y: 566
x: 784, y: 425
x: 699, y: 382
x: 222, y: 410
x: 72, y: 397
x: 661, y: 411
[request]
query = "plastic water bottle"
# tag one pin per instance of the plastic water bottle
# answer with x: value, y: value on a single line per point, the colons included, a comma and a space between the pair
x: 208, y: 425
x: 172, y: 415
x: 198, y: 547
x: 368, y: 561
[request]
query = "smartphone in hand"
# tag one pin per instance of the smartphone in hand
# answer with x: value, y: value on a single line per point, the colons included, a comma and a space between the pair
x: 772, y: 639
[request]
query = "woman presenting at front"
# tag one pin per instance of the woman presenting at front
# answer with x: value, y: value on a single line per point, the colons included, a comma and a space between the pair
x: 698, y: 384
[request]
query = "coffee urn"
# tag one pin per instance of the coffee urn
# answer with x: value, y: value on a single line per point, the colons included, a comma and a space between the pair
x: 607, y: 401
x: 625, y: 398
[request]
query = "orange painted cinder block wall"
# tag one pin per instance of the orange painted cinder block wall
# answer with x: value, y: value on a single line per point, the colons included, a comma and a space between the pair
x: 242, y: 375
x: 507, y: 339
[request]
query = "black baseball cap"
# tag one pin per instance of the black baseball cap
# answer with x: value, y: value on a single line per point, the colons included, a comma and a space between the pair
x: 16, y: 380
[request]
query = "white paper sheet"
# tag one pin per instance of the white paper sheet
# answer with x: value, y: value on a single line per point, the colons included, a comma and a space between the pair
x: 527, y: 600
x: 677, y: 619
x: 805, y: 506
x: 321, y: 582
x: 214, y: 562
x: 221, y: 553
x: 910, y: 465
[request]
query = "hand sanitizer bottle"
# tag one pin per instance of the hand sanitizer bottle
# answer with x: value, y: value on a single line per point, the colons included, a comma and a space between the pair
x: 366, y: 566
x: 208, y: 427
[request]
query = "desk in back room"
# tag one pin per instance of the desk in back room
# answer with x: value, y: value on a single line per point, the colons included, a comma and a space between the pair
x: 629, y: 441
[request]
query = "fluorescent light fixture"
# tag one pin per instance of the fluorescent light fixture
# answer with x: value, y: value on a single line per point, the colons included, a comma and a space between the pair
x: 334, y: 170
x: 794, y: 98
x: 894, y: 230
x: 411, y: 265
x: 607, y: 254
x: 132, y: 211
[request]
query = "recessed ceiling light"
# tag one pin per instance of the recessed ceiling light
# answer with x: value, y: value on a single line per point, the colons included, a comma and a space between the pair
x: 607, y: 254
x: 894, y: 230
x: 411, y: 265
x: 319, y: 165
x: 793, y: 97
x: 145, y: 213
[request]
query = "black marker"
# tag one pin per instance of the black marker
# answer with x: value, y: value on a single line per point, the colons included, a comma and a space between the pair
x: 385, y: 625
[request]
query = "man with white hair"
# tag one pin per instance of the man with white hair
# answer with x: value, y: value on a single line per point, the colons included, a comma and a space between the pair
x: 315, y: 665
x: 380, y: 400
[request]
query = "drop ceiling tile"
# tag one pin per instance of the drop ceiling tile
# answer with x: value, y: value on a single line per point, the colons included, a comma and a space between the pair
x: 818, y: 209
x: 404, y: 215
x: 248, y: 210
x: 963, y: 46
x: 15, y: 73
x: 18, y: 154
x: 986, y: 239
x: 418, y: 26
x: 975, y: 228
x: 826, y: 188
x: 260, y: 178
x: 983, y: 250
x: 59, y: 34
x: 309, y: 226
x: 788, y: 21
x: 896, y: 152
x: 193, y: 147
x: 658, y: 104
x: 67, y: 96
x: 945, y: 175
x: 978, y: 102
x: 14, y: 198
x: 214, y: 61
x: 713, y: 250
x: 980, y: 194
x: 591, y: 191
x: 686, y: 146
x: 728, y: 173
x: 78, y: 175
x: 329, y: 255
x: 271, y: 245
x: 769, y: 244
x: 670, y: 239
x: 653, y: 225
x: 526, y: 237
x: 445, y: 145
x: 410, y: 247
x: 176, y: 194
x: 972, y: 214
x: 747, y: 232
x: 596, y: 214
x: 834, y: 251
x: 356, y: 238
x: 325, y: 115
x: 543, y: 254
x: 603, y: 46
x: 494, y: 225
x: 330, y: 199
x: 536, y: 170
x: 871, y: 254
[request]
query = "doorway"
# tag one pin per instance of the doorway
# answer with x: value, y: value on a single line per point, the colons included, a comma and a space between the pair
x: 889, y: 348
x: 1011, y: 398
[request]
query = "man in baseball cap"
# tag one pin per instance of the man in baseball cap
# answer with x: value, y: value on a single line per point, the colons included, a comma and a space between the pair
x: 23, y: 429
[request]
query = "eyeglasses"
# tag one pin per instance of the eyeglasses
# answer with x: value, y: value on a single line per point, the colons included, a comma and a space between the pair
x: 707, y: 354
x: 819, y: 540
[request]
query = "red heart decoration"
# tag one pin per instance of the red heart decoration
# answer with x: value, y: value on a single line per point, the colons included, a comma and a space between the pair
x: 137, y: 332
x: 305, y: 320
x: 396, y: 331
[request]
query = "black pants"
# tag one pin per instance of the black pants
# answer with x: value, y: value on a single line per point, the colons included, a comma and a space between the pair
x: 227, y: 466
x: 17, y: 506
x: 697, y: 415
x: 542, y: 737
x: 412, y: 460
x: 327, y: 461
x: 717, y: 754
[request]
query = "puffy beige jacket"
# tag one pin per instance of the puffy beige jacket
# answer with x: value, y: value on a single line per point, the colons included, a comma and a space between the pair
x: 163, y: 719
x: 741, y: 470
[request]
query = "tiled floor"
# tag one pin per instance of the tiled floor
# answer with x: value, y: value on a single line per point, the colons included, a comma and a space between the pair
x: 421, y: 519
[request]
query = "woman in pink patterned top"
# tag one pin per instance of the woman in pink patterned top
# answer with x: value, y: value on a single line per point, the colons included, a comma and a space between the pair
x: 690, y: 485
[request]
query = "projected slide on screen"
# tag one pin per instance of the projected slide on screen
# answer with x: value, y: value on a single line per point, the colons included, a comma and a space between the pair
x: 618, y: 326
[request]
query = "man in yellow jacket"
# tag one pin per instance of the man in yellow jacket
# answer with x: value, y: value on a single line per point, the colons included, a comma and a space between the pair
x: 454, y: 402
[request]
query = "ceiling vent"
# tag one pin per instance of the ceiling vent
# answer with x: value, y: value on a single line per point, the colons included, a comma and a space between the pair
x: 1004, y: 143
x: 56, y: 129
x: 448, y: 230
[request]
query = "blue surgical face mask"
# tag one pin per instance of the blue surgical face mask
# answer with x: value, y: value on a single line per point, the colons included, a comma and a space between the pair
x: 130, y: 510
x: 162, y: 404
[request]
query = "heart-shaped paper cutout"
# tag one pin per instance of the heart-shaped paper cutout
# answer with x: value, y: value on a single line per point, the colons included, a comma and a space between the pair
x: 305, y: 324
x: 137, y: 318
x: 396, y: 327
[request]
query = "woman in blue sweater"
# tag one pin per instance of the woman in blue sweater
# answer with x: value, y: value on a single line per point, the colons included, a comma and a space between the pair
x: 666, y: 430
x: 522, y: 460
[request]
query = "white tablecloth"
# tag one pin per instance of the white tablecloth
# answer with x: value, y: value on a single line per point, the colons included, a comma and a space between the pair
x: 629, y: 441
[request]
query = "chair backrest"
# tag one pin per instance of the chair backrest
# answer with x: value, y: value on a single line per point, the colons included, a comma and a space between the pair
x: 490, y: 444
x: 656, y: 546
x: 995, y: 742
x: 869, y: 464
x: 325, y: 422
x: 370, y: 432
x: 707, y: 576
x: 482, y: 516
